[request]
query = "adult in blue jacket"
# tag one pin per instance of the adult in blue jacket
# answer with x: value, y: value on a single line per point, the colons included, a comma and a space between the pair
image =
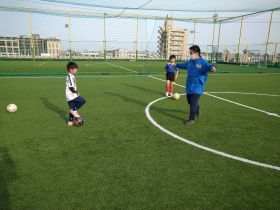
x: 197, y: 68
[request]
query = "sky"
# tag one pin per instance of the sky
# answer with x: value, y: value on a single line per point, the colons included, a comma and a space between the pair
x: 87, y: 33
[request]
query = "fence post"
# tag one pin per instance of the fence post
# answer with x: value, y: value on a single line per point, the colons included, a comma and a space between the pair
x: 136, y: 40
x: 104, y: 37
x: 218, y: 45
x: 215, y: 17
x: 69, y: 38
x: 239, y: 39
x: 268, y: 34
x: 194, y: 29
x: 166, y: 41
x: 31, y: 37
x: 274, y: 55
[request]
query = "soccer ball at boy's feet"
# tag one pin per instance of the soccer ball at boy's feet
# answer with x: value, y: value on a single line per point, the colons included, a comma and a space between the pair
x: 176, y: 96
x: 78, y: 121
x: 12, y: 108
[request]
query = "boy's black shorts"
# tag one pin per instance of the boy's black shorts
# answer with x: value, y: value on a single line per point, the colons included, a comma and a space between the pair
x: 76, y: 103
x: 170, y: 76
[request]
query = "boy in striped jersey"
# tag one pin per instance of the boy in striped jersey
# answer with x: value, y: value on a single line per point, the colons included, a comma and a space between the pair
x: 75, y: 101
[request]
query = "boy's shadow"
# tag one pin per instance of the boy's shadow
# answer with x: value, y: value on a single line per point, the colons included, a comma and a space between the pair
x: 143, y: 89
x: 167, y: 112
x: 7, y: 175
x: 54, y: 108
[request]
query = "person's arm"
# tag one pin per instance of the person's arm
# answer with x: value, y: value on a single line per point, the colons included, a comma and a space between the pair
x: 71, y: 85
x: 210, y: 67
x: 181, y: 65
x: 177, y: 73
x: 72, y: 89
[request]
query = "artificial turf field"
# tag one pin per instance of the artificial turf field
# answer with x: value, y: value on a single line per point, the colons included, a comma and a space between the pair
x: 119, y: 159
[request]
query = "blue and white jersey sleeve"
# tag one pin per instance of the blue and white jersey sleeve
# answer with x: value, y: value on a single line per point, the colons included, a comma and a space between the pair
x: 70, y: 86
x: 182, y: 65
x: 207, y: 66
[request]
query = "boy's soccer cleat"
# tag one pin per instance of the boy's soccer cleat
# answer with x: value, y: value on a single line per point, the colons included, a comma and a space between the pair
x: 167, y: 94
x: 171, y: 94
x: 189, y: 122
x: 79, y: 121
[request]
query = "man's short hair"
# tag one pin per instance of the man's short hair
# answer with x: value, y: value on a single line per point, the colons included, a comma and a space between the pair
x: 172, y: 56
x: 72, y: 65
x: 195, y: 49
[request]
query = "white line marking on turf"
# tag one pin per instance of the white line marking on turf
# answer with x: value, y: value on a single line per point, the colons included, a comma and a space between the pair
x: 63, y: 77
x: 41, y: 64
x: 121, y: 67
x: 230, y: 101
x: 242, y: 93
x: 239, y: 104
x: 242, y: 74
x: 147, y: 111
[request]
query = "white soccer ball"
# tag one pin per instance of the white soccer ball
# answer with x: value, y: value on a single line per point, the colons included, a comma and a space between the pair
x: 176, y: 96
x: 12, y: 108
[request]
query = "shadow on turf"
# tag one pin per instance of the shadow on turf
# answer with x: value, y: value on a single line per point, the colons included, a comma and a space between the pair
x: 54, y: 108
x: 143, y: 89
x: 167, y: 112
x: 7, y: 175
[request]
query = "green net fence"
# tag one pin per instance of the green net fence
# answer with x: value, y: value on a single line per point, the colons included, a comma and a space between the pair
x: 119, y: 37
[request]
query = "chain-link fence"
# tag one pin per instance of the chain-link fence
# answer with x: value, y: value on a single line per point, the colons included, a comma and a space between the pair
x: 251, y: 40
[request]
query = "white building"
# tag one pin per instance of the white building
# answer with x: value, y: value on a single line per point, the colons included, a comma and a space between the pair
x: 120, y: 53
x: 9, y: 46
x: 89, y: 55
x: 172, y: 41
x: 54, y: 47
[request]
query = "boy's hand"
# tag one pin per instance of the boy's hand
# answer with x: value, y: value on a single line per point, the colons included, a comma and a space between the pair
x: 213, y: 68
x: 176, y: 77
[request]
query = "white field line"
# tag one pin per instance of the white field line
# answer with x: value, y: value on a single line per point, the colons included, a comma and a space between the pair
x: 252, y: 162
x: 41, y: 64
x: 79, y: 76
x: 230, y: 101
x: 121, y: 67
x: 245, y: 74
x: 242, y: 93
x: 239, y: 104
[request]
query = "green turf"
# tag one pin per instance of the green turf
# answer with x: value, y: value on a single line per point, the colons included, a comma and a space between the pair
x: 119, y: 160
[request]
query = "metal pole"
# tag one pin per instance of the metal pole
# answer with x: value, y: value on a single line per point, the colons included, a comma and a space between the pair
x: 104, y: 37
x: 136, y: 40
x: 194, y: 28
x: 69, y: 39
x: 268, y: 34
x: 218, y: 45
x: 31, y: 37
x: 240, y: 34
x: 213, y: 36
x: 166, y: 33
x: 274, y: 55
